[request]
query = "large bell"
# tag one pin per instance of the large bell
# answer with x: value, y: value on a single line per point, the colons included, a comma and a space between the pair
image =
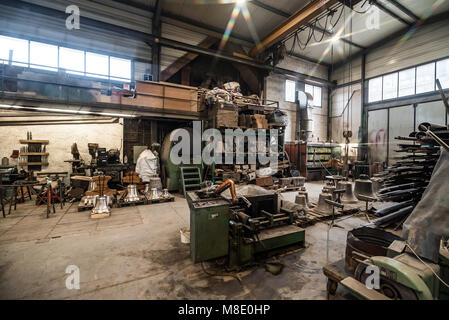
x: 304, y: 192
x: 330, y: 188
x: 377, y: 184
x: 301, y: 200
x: 348, y: 195
x: 364, y: 187
x: 132, y: 195
x: 323, y: 206
x: 101, y: 205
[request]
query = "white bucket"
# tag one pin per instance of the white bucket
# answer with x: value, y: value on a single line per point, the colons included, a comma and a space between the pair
x: 185, y: 235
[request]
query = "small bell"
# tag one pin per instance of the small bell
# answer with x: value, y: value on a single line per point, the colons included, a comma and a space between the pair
x: 132, y: 195
x: 101, y: 205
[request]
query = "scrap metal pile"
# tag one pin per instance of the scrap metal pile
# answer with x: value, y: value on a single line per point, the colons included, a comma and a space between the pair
x: 405, y: 181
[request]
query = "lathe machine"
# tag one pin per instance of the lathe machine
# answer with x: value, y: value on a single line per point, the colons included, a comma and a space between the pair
x: 240, y: 228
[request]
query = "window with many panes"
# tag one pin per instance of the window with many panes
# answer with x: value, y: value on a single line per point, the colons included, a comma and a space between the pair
x: 390, y: 86
x: 417, y: 80
x: 425, y: 78
x: 375, y: 89
x: 44, y: 56
x: 407, y: 82
x: 290, y: 90
x: 316, y: 94
x: 443, y: 73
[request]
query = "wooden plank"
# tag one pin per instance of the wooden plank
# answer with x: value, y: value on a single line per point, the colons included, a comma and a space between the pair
x: 34, y: 141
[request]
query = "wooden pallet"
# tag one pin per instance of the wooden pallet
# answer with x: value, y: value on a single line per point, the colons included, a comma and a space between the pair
x: 161, y: 200
x: 314, y: 216
x: 99, y: 215
x: 122, y: 203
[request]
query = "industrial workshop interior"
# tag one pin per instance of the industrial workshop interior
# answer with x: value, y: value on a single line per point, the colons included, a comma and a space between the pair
x: 224, y: 150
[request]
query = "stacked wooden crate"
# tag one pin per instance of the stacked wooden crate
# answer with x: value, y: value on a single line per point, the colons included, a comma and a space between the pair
x: 164, y: 95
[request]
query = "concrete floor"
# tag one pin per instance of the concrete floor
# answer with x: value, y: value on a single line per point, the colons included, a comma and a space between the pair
x: 136, y: 253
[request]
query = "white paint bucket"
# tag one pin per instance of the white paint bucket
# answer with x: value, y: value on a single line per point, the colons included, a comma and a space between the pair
x: 185, y: 235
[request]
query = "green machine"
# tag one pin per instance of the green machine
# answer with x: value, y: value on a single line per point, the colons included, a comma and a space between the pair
x: 240, y: 229
x: 404, y: 276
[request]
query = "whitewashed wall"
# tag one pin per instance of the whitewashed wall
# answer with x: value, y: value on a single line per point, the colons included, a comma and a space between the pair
x: 275, y: 90
x: 61, y: 138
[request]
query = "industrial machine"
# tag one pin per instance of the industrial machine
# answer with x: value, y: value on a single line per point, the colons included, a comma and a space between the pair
x: 413, y: 266
x: 239, y: 227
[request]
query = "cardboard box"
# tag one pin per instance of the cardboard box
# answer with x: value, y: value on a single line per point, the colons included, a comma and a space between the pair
x: 164, y: 95
x: 264, y: 181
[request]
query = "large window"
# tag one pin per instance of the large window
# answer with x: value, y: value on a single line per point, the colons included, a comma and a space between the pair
x: 375, y: 90
x: 290, y: 87
x: 407, y: 82
x: 71, y: 60
x: 43, y: 56
x: 425, y: 78
x: 390, y: 86
x: 416, y: 80
x: 14, y: 50
x: 316, y: 94
x: 120, y: 68
x: 97, y: 65
x: 443, y: 73
x: 49, y: 57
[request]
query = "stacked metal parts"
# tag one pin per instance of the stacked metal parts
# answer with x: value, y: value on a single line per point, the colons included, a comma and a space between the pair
x: 405, y: 181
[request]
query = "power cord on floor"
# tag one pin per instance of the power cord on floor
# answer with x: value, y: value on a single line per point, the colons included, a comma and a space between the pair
x: 220, y: 274
x: 442, y: 281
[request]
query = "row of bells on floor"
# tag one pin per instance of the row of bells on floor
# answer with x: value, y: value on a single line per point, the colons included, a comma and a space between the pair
x: 153, y: 190
x: 363, y: 186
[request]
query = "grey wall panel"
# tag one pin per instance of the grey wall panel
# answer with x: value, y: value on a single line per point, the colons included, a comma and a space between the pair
x: 426, y: 44
x: 378, y: 135
x: 401, y: 124
x: 339, y: 123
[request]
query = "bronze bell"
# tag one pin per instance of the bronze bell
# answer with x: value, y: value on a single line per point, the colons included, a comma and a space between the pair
x: 301, y: 200
x: 364, y: 187
x: 377, y: 184
x: 323, y: 206
x: 303, y: 191
x: 101, y: 205
x: 330, y: 188
x: 132, y: 195
x: 348, y: 195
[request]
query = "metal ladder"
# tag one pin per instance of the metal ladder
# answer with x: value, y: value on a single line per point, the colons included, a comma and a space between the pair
x: 190, y: 179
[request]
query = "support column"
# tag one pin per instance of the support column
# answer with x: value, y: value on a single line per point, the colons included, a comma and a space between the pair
x: 156, y: 49
x: 363, y: 155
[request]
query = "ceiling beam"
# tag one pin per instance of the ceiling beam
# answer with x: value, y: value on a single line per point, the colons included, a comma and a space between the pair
x: 395, y: 35
x: 404, y: 9
x: 391, y: 13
